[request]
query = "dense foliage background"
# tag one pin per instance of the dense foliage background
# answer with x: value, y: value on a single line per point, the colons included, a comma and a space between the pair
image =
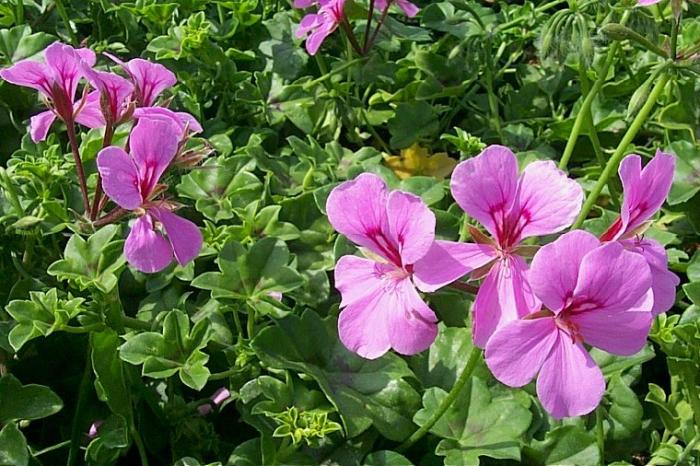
x: 86, y: 339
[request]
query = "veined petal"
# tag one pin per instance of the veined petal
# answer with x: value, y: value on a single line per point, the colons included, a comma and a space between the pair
x: 663, y: 281
x: 611, y: 280
x: 64, y: 63
x: 555, y: 268
x: 412, y: 324
x: 357, y: 277
x: 153, y: 146
x: 39, y: 125
x: 411, y: 225
x: 570, y: 383
x: 548, y: 200
x: 308, y: 22
x: 181, y: 120
x: 90, y: 114
x: 114, y: 87
x: 504, y: 296
x: 120, y: 178
x: 485, y: 187
x: 150, y: 79
x: 183, y: 235
x: 29, y: 73
x: 146, y: 249
x: 447, y: 261
x: 644, y: 190
x: 516, y: 352
x: 408, y: 8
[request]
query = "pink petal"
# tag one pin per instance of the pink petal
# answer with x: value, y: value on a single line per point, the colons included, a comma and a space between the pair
x: 120, y: 179
x: 570, y: 383
x: 40, y: 124
x: 65, y: 65
x: 117, y: 89
x: 548, y: 200
x: 145, y: 249
x: 622, y: 333
x: 90, y: 114
x: 150, y: 79
x: 314, y: 41
x: 86, y: 55
x: 411, y: 225
x: 304, y: 3
x: 644, y: 190
x: 516, y: 352
x: 611, y: 280
x: 408, y: 8
x: 663, y: 281
x: 647, y: 2
x: 357, y: 277
x: 555, y: 268
x: 29, y: 73
x: 183, y: 235
x: 447, y: 261
x: 153, y: 146
x: 181, y: 120
x: 357, y: 210
x: 308, y: 22
x: 504, y: 296
x: 485, y: 187
x: 380, y: 5
x: 412, y: 325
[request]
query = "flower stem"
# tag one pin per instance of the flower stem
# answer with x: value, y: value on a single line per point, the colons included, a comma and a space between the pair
x: 461, y: 286
x: 351, y: 36
x: 70, y: 126
x: 111, y: 217
x: 97, y: 198
x: 585, y: 109
x: 373, y: 39
x: 474, y: 357
x: 368, y: 28
x: 139, y: 445
x: 600, y: 434
x: 614, y: 161
x: 85, y: 387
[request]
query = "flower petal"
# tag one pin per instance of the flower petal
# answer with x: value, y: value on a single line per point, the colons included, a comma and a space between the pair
x: 516, y: 352
x: 611, y: 279
x: 644, y: 190
x: 114, y: 87
x: 153, y: 146
x: 40, y: 124
x: 120, y: 178
x: 548, y: 200
x: 29, y: 73
x: 362, y: 326
x: 181, y: 120
x: 408, y: 8
x: 65, y: 65
x: 90, y: 114
x: 150, y: 79
x: 663, y: 281
x: 411, y: 225
x: 570, y: 383
x: 622, y: 333
x: 504, y: 296
x: 555, y: 268
x: 485, y: 186
x: 357, y: 277
x: 183, y: 235
x: 412, y: 324
x: 145, y: 249
x: 447, y: 261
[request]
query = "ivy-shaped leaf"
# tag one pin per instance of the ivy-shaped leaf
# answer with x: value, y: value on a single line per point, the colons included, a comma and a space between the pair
x: 28, y: 402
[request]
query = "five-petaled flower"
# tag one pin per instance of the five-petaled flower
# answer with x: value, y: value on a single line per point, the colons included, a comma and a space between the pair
x: 407, y: 7
x: 595, y: 294
x: 321, y: 24
x: 149, y: 79
x: 645, y: 191
x: 57, y: 81
x: 131, y: 180
x: 541, y: 201
x: 381, y: 305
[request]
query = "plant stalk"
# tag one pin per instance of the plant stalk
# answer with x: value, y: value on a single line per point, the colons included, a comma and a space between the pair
x: 106, y: 141
x: 600, y: 434
x: 75, y: 150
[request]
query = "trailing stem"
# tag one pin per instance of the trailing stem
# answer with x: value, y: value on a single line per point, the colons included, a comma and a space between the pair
x: 75, y: 150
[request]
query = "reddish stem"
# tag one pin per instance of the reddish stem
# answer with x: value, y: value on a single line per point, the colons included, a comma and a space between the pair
x: 111, y: 217
x: 368, y: 28
x: 461, y: 286
x: 70, y: 126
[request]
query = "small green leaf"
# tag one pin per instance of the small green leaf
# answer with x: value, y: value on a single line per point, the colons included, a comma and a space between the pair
x: 19, y: 401
x: 13, y: 446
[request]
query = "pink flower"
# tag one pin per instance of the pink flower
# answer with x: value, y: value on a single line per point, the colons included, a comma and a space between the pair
x: 131, y: 180
x: 321, y: 24
x: 110, y: 99
x: 216, y: 399
x: 645, y: 191
x: 407, y: 7
x: 149, y: 79
x: 594, y: 294
x: 304, y: 3
x: 185, y: 123
x: 647, y: 2
x: 56, y: 80
x: 541, y: 201
x: 381, y: 307
x: 94, y: 429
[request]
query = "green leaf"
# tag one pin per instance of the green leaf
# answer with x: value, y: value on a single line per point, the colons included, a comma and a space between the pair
x: 686, y: 181
x: 19, y: 43
x: 110, y: 381
x: 93, y: 262
x: 13, y: 446
x: 625, y: 411
x: 410, y: 122
x: 29, y: 402
x: 365, y: 392
x: 476, y: 424
x: 564, y: 445
x: 611, y: 364
x: 386, y: 458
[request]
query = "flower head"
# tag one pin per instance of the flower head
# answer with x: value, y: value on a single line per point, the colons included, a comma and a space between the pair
x: 381, y: 305
x: 112, y: 96
x: 131, y: 180
x: 595, y: 294
x: 149, y: 79
x: 407, y: 7
x: 541, y: 201
x: 321, y: 24
x: 645, y: 191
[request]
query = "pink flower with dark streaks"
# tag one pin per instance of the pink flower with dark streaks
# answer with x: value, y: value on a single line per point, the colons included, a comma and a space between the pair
x: 645, y: 191
x: 149, y: 79
x: 318, y: 26
x: 131, y: 180
x: 407, y: 7
x: 111, y: 97
x: 593, y: 294
x: 381, y: 307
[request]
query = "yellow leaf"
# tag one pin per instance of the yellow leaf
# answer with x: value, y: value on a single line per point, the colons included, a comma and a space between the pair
x: 415, y: 161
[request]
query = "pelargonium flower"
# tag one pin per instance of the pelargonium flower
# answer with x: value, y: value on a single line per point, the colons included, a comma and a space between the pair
x: 645, y: 191
x: 111, y: 97
x: 595, y: 294
x: 183, y: 121
x: 541, y: 201
x: 149, y: 79
x: 407, y: 7
x: 321, y: 24
x: 381, y: 307
x: 647, y: 2
x: 131, y: 180
x: 57, y: 81
x: 304, y: 3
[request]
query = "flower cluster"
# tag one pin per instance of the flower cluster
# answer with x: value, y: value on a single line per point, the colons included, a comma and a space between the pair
x: 533, y: 320
x: 157, y: 141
